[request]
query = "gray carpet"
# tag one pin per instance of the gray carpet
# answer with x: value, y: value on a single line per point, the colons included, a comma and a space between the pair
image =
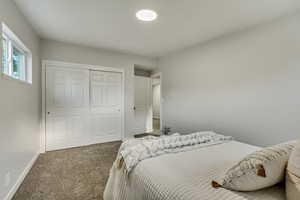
x: 72, y: 174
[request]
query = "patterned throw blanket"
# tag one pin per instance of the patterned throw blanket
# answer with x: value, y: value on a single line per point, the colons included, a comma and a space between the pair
x: 133, y: 151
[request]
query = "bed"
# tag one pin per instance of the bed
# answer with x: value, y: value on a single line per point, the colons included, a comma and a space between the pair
x: 185, y: 176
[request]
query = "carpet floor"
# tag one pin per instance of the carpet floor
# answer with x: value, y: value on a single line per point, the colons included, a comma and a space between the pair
x: 71, y: 174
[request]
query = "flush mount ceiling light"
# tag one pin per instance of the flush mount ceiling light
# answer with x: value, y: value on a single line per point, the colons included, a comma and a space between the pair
x: 146, y: 15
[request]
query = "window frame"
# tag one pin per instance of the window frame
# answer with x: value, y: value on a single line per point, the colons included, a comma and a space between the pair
x: 13, y: 42
x: 7, y: 52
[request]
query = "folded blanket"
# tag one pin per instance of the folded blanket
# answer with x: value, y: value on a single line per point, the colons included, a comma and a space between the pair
x: 133, y: 151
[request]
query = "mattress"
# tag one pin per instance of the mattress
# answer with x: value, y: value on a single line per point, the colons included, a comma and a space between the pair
x: 185, y: 176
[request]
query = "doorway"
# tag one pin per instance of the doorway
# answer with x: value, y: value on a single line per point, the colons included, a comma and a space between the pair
x: 147, y: 105
x: 156, y: 104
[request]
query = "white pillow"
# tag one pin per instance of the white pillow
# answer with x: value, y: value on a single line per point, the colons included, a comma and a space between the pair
x: 261, y: 169
x: 293, y: 175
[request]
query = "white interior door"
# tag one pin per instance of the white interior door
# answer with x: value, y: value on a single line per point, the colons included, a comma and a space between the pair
x: 106, y: 101
x: 143, y: 111
x: 81, y: 107
x: 67, y: 107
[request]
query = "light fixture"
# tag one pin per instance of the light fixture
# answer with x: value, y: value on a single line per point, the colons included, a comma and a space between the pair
x: 146, y: 15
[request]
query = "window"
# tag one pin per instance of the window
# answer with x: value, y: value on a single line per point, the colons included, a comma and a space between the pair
x: 16, y: 58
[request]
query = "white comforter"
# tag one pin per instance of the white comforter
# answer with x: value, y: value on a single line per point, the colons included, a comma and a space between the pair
x: 185, y: 176
x: 133, y: 151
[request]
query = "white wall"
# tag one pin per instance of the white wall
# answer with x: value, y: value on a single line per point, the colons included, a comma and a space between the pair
x: 58, y: 51
x: 246, y: 84
x: 156, y: 101
x: 19, y: 106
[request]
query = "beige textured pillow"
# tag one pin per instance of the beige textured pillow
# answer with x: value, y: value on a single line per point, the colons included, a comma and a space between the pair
x: 293, y: 175
x: 261, y: 169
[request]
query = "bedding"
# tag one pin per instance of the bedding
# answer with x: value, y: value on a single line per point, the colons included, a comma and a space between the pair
x: 293, y: 175
x: 259, y: 170
x: 134, y: 151
x: 185, y: 176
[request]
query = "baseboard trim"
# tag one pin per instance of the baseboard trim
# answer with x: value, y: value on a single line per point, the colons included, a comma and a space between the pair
x: 84, y: 143
x: 21, y: 178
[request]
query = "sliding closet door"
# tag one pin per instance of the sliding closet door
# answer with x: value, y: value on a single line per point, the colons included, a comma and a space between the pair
x: 82, y: 107
x: 67, y: 107
x: 106, y: 102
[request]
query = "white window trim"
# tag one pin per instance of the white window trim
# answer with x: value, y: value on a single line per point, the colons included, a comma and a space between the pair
x: 7, y: 34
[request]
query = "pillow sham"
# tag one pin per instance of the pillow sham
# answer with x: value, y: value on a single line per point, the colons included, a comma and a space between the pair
x: 261, y: 169
x: 293, y: 175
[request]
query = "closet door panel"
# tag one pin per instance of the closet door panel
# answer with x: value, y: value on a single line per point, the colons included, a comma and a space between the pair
x: 67, y: 107
x: 106, y: 103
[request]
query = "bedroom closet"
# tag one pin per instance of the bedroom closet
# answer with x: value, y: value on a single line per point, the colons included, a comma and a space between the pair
x: 83, y: 105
